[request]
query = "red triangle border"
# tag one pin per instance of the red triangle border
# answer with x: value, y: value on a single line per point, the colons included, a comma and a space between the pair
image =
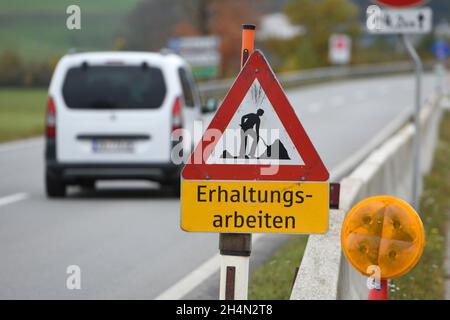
x: 257, y: 67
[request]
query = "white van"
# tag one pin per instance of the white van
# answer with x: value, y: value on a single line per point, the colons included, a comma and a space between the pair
x: 110, y: 115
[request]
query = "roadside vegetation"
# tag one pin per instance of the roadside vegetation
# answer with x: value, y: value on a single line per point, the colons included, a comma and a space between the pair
x: 29, y: 24
x: 22, y: 113
x: 426, y: 280
x: 139, y: 25
x: 273, y: 280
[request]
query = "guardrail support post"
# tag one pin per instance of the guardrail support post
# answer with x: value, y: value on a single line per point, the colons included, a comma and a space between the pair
x: 417, y: 177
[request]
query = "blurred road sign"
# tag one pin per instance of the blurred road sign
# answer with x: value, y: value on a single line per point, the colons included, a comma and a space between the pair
x: 201, y: 52
x: 383, y: 232
x: 401, y: 3
x: 441, y: 49
x: 405, y: 22
x: 392, y: 21
x: 255, y: 168
x: 339, y: 49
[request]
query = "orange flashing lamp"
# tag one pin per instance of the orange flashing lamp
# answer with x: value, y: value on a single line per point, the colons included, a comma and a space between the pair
x: 383, y: 231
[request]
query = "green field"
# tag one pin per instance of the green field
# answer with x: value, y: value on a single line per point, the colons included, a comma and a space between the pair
x: 22, y: 113
x: 55, y: 6
x: 26, y: 25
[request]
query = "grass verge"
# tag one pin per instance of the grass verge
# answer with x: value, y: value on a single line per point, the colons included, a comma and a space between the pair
x: 273, y: 280
x: 22, y: 113
x: 426, y: 280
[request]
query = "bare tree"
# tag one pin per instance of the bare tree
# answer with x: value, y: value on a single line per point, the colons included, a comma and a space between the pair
x: 153, y: 22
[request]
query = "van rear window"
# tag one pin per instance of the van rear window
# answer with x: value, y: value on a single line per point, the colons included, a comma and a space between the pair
x: 114, y: 87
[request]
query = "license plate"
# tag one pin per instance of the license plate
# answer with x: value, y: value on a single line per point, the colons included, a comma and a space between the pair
x: 112, y: 146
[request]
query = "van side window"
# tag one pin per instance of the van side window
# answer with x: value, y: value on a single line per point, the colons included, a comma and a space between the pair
x: 187, y: 87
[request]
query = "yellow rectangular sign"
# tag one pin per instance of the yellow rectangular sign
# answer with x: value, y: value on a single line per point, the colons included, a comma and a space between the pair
x: 254, y: 206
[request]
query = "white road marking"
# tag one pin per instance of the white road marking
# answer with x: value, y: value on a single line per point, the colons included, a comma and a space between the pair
x: 13, y: 198
x: 193, y: 279
x: 196, y: 277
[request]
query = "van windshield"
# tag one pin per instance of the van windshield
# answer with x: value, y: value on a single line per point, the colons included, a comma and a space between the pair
x: 114, y: 87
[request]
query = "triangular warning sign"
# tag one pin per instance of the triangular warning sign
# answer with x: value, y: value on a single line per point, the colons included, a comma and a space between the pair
x: 255, y: 134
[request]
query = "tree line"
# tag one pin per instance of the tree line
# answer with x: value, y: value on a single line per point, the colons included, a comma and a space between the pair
x: 152, y: 22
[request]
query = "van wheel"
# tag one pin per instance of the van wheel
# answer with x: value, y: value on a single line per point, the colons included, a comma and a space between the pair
x: 54, y: 186
x: 177, y: 188
x: 174, y: 187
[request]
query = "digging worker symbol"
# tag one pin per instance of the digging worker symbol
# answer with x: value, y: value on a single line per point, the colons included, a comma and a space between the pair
x: 250, y: 128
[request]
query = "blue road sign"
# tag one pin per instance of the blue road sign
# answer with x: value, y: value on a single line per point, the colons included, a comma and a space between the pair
x: 441, y: 49
x: 174, y: 44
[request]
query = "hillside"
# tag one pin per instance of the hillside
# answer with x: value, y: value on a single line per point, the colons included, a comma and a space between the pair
x: 37, y: 29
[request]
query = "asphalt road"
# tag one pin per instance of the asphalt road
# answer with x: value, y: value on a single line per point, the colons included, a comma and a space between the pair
x: 126, y: 237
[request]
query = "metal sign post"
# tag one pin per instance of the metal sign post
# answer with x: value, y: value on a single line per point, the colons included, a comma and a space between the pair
x: 405, y: 22
x: 235, y: 249
x: 417, y: 179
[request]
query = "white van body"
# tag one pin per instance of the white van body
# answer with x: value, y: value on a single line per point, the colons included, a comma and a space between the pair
x: 114, y: 116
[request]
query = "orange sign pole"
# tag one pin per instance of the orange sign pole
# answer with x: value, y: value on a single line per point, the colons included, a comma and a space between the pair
x: 248, y: 42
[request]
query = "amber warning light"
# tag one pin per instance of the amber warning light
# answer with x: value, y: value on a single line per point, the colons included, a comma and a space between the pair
x: 383, y: 231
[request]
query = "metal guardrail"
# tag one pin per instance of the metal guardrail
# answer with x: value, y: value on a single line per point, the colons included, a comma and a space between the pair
x: 217, y: 88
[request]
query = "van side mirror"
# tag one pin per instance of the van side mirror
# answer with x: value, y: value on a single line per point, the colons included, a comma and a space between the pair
x: 211, y: 105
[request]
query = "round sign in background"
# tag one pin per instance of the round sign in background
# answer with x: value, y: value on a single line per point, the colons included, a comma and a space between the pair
x: 383, y: 231
x: 401, y: 3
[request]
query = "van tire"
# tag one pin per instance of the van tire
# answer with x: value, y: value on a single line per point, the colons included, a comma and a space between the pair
x: 177, y: 188
x: 174, y: 187
x: 54, y: 186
